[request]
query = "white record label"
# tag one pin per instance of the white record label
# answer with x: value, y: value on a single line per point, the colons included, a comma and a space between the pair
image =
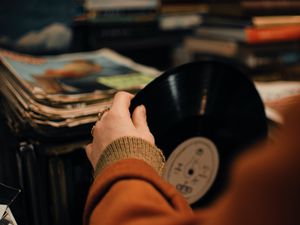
x: 192, y: 167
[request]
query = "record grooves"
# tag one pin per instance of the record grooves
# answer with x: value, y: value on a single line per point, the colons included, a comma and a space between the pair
x: 202, y: 115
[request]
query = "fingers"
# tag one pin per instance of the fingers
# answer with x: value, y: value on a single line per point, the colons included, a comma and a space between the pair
x: 139, y: 118
x: 121, y: 102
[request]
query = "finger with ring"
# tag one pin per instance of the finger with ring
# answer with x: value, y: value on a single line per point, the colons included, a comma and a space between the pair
x: 100, y: 114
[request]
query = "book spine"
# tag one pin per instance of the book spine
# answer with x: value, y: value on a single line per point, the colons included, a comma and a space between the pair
x: 119, y: 32
x: 272, y: 34
x: 270, y: 4
x: 122, y: 5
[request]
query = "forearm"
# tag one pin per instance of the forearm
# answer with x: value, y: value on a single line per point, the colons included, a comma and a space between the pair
x: 131, y: 192
x: 128, y: 187
x: 131, y: 147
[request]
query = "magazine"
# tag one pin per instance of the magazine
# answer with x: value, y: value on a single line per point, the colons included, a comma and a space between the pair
x: 76, y: 77
x: 66, y: 91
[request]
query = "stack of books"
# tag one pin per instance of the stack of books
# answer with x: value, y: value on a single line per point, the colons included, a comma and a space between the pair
x: 60, y: 96
x: 121, y: 19
x: 263, y: 35
x: 181, y: 15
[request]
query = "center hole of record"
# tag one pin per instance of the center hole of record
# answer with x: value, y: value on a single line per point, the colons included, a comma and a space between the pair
x: 191, y: 172
x: 193, y: 166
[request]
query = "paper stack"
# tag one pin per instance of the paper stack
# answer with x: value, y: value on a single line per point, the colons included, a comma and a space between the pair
x: 48, y: 95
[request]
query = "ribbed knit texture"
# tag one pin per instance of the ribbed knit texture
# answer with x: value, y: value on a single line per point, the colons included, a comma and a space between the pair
x: 131, y: 147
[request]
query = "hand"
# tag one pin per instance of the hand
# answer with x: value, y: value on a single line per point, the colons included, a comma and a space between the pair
x: 117, y: 123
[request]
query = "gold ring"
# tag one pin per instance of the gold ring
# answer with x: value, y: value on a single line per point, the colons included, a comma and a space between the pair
x: 100, y: 114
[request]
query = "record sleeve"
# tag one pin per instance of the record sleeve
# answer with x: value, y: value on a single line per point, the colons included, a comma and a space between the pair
x: 202, y: 115
x: 50, y: 95
x: 75, y: 77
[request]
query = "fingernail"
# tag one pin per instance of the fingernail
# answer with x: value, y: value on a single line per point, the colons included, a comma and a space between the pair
x: 143, y: 109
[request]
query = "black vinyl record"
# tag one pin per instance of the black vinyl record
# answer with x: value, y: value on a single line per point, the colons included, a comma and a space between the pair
x: 202, y: 115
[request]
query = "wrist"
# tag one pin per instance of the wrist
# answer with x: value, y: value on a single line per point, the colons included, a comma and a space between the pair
x: 131, y: 147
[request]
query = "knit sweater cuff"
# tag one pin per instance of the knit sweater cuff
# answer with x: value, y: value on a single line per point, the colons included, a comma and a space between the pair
x: 131, y: 147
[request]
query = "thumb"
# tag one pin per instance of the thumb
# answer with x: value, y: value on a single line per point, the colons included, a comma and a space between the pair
x: 139, y: 118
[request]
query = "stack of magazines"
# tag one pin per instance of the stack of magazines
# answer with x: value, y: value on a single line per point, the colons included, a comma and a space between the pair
x: 49, y: 95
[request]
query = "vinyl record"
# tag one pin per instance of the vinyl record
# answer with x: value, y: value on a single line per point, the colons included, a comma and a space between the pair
x: 202, y: 115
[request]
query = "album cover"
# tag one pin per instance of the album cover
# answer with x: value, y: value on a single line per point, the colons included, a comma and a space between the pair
x: 77, y: 76
x: 49, y: 94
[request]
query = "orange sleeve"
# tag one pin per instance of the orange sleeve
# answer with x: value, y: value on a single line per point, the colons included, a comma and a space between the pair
x: 265, y: 182
x: 131, y: 192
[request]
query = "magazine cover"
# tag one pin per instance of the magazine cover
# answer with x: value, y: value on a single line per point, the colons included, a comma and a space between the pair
x: 53, y: 93
x: 77, y: 76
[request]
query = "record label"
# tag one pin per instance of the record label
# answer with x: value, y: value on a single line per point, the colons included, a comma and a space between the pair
x: 192, y: 167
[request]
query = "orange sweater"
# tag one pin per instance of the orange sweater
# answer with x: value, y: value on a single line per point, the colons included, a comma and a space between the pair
x: 264, y: 189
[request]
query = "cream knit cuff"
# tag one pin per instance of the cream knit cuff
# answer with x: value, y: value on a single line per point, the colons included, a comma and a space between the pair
x: 131, y: 147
